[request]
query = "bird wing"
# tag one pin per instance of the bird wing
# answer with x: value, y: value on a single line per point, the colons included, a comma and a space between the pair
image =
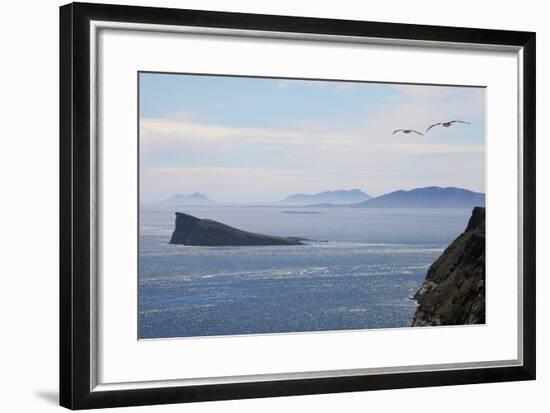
x: 460, y: 121
x: 397, y: 130
x: 435, y: 124
x: 412, y: 130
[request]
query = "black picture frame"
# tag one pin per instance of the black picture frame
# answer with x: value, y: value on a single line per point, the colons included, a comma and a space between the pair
x: 75, y: 219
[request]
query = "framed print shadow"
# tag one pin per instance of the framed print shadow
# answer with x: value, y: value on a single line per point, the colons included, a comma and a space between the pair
x: 258, y: 206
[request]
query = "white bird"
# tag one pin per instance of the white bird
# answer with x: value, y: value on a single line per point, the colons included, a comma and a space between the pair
x: 447, y: 124
x: 406, y: 131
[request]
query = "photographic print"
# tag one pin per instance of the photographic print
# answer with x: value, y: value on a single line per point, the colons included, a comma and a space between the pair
x: 270, y: 205
x: 311, y: 184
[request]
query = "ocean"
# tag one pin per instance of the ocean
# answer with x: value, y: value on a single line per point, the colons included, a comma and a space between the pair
x: 360, y: 270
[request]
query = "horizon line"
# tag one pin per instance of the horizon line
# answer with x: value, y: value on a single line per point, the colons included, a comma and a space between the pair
x: 305, y: 193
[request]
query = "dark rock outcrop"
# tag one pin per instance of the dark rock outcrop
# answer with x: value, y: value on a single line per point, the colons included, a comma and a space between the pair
x: 191, y: 230
x: 454, y: 290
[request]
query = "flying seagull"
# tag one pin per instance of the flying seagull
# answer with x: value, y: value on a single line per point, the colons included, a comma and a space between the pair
x: 447, y: 124
x: 406, y: 131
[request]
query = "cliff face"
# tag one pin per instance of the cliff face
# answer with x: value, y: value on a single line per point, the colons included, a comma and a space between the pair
x: 191, y: 230
x: 454, y: 290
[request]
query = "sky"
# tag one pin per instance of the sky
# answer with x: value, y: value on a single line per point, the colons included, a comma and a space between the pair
x: 243, y: 139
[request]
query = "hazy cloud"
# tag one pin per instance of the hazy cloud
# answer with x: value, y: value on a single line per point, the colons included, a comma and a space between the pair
x: 186, y: 151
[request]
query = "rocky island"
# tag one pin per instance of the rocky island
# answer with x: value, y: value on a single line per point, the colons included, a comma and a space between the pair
x: 454, y: 290
x: 191, y: 230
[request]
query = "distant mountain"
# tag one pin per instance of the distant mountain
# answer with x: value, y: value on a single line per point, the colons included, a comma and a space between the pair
x: 195, y: 198
x: 429, y: 197
x: 342, y: 196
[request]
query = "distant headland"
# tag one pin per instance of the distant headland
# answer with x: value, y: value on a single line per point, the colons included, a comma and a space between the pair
x: 428, y: 197
x: 339, y: 196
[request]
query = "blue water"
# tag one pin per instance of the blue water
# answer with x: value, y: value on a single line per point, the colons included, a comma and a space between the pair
x: 362, y: 277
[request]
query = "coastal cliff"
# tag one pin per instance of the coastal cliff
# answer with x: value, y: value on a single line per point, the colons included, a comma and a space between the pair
x: 191, y: 230
x: 454, y: 290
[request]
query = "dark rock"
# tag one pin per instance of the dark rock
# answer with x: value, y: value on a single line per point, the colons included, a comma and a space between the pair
x: 454, y: 290
x: 191, y: 230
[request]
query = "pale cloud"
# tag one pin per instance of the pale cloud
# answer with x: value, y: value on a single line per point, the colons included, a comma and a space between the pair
x: 338, y: 85
x: 229, y: 184
x: 153, y: 130
x: 184, y: 153
x: 172, y: 135
x: 409, y: 148
x: 417, y: 107
x: 374, y: 172
x: 420, y: 92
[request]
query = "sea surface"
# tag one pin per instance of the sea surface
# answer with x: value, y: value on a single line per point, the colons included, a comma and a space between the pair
x: 359, y: 271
